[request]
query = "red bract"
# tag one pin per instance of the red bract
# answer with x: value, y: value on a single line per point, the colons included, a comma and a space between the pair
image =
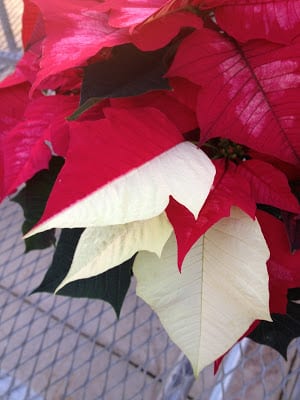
x: 185, y: 92
x: 75, y: 31
x: 158, y: 32
x: 130, y: 13
x: 229, y: 189
x: 290, y: 171
x: 127, y: 13
x: 181, y: 116
x: 283, y: 267
x: 122, y: 141
x: 241, y: 185
x: 269, y: 185
x: 29, y: 65
x: 277, y: 20
x: 59, y: 133
x: 32, y: 24
x: 26, y: 124
x: 248, y: 91
x: 24, y: 149
x: 13, y: 103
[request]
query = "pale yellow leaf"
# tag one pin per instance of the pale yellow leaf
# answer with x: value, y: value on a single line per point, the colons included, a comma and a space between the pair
x: 222, y: 289
x: 184, y: 172
x: 102, y: 248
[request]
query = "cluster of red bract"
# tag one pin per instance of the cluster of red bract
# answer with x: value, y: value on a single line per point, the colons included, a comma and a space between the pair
x: 222, y: 74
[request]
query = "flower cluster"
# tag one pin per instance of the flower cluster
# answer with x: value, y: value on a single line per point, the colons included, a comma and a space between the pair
x: 165, y: 135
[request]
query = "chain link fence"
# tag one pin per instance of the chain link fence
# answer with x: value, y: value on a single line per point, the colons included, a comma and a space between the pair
x: 56, y: 348
x: 10, y: 35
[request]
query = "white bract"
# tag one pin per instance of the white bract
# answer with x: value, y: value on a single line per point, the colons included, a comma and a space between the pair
x: 102, y: 248
x: 222, y: 289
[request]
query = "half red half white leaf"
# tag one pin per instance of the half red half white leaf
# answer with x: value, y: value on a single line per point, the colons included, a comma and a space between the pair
x: 133, y: 162
x: 183, y: 172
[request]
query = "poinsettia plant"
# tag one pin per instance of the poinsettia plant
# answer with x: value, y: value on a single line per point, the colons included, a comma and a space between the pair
x: 163, y: 138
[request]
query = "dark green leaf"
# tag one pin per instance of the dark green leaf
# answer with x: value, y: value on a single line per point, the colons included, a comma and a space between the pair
x: 128, y: 72
x: 33, y: 198
x: 274, y: 211
x: 284, y: 328
x: 111, y: 286
x: 62, y: 260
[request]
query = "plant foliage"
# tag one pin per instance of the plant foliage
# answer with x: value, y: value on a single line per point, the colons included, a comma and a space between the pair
x: 195, y: 120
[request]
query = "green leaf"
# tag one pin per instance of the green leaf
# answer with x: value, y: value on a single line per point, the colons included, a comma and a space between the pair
x: 111, y: 286
x: 284, y: 328
x: 33, y: 198
x: 127, y: 72
x: 62, y: 259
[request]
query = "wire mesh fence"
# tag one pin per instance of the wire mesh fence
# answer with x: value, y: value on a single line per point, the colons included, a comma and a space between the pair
x: 56, y: 348
x: 10, y: 43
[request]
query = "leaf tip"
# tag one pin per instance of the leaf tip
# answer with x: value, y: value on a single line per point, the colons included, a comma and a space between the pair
x: 60, y: 286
